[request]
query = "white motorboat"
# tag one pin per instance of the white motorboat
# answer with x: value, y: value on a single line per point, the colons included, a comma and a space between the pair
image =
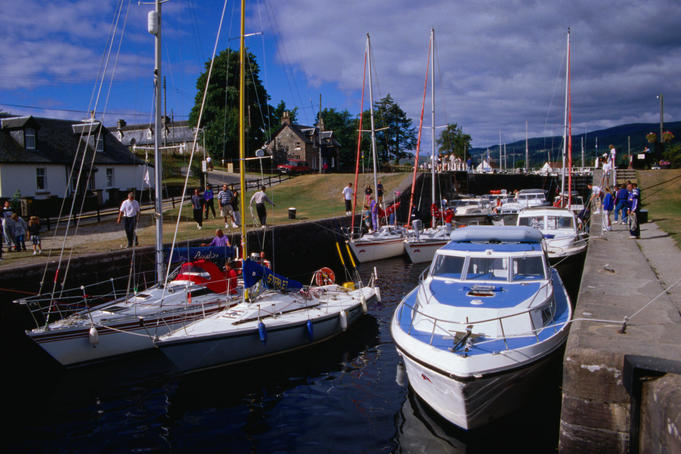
x: 420, y: 246
x: 559, y: 227
x: 531, y: 198
x: 384, y: 243
x: 271, y: 322
x: 478, y: 206
x: 90, y: 324
x: 482, y: 323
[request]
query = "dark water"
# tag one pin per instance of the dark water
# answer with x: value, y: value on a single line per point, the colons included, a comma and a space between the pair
x: 341, y: 397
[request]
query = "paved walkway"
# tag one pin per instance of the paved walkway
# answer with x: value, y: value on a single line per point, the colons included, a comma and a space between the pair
x: 621, y: 275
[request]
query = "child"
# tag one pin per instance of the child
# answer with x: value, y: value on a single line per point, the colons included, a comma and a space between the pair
x: 34, y: 234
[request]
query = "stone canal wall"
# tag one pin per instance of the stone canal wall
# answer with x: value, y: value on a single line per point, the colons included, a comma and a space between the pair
x: 620, y: 391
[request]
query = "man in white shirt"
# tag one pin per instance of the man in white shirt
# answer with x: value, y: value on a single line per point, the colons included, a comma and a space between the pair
x: 260, y: 198
x: 347, y: 196
x: 130, y: 210
x: 613, y: 165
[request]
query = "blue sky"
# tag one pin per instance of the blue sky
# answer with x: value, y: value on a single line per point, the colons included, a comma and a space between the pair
x: 499, y: 63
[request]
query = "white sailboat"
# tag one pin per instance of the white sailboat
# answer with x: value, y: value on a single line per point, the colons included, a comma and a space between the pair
x: 96, y: 322
x: 482, y: 323
x: 420, y: 246
x: 385, y: 241
x: 276, y: 315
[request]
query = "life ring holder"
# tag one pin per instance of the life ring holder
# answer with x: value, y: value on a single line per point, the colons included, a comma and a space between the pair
x: 324, y: 276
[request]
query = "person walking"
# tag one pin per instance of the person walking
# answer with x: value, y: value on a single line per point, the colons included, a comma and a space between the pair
x: 226, y: 210
x: 613, y: 163
x: 197, y: 206
x: 347, y: 196
x: 7, y: 224
x: 34, y: 234
x: 129, y: 211
x: 260, y: 198
x: 621, y: 204
x: 20, y: 229
x: 236, y: 202
x: 633, y: 210
x: 208, y: 198
x: 608, y: 205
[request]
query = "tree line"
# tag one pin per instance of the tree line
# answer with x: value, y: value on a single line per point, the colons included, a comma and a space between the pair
x: 396, y: 135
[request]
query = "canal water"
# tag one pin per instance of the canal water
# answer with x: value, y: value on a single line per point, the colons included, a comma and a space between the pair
x: 342, y: 397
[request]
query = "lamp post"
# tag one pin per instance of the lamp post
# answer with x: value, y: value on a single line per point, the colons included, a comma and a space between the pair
x: 660, y: 146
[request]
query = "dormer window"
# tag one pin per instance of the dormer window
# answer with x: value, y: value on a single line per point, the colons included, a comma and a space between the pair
x: 29, y: 139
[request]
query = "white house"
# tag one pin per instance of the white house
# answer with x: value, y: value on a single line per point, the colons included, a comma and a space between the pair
x: 37, y: 156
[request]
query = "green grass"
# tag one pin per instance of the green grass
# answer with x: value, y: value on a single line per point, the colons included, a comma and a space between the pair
x: 661, y: 196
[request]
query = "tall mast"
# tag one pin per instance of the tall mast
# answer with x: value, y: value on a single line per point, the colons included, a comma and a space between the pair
x: 154, y: 26
x: 500, y: 166
x: 371, y: 114
x: 569, y: 125
x: 242, y: 128
x: 432, y: 119
x: 565, y: 122
x: 527, y: 150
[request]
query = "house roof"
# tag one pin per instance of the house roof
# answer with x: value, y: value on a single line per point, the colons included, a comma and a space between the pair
x: 57, y: 142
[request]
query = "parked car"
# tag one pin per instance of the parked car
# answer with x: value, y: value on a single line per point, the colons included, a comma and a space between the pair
x: 293, y: 167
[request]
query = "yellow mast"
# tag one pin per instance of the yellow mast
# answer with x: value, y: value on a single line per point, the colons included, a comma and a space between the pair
x: 242, y: 137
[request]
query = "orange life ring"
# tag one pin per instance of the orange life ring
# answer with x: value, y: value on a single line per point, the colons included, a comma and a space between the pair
x: 324, y: 276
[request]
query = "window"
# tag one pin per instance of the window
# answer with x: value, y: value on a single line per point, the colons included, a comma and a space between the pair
x: 150, y: 133
x: 532, y: 221
x: 109, y: 177
x: 448, y: 266
x: 40, y: 179
x: 100, y: 143
x: 29, y: 139
x: 487, y: 269
x: 528, y: 268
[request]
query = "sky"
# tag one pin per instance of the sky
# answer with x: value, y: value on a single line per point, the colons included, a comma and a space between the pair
x: 499, y: 64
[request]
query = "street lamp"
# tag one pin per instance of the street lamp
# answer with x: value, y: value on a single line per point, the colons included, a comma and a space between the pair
x: 661, y: 98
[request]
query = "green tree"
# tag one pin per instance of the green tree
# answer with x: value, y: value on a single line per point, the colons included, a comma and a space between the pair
x: 220, y: 120
x: 453, y: 140
x: 399, y: 136
x: 344, y: 129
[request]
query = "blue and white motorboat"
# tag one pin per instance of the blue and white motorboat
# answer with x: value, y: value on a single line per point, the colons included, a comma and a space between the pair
x: 482, y: 324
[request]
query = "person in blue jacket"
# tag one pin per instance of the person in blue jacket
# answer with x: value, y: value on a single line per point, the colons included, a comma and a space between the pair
x: 634, y: 207
x: 621, y: 204
x: 608, y: 205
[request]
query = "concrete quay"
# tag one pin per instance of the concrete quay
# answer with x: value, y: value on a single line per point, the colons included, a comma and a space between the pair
x: 622, y: 390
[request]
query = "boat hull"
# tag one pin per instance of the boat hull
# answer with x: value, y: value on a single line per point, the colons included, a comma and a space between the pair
x: 240, y: 345
x: 72, y: 347
x: 377, y: 250
x: 421, y: 252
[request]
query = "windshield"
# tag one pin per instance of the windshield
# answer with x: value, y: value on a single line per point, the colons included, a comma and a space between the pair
x: 487, y: 269
x: 532, y: 221
x: 528, y: 268
x: 448, y: 266
x: 559, y: 222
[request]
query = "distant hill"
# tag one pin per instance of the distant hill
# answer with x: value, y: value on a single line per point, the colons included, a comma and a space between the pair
x: 541, y: 147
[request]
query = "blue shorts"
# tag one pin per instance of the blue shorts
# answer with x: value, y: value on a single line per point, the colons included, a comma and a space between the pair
x: 36, y: 240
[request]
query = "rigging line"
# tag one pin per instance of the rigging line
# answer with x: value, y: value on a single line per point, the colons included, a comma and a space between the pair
x: 73, y: 201
x: 191, y: 156
x: 255, y: 90
x: 229, y: 54
x: 557, y: 79
x: 99, y: 132
x: 268, y: 135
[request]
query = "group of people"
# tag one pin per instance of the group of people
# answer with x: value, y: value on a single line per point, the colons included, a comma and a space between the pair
x: 15, y: 231
x: 229, y: 203
x: 624, y: 200
x: 373, y: 206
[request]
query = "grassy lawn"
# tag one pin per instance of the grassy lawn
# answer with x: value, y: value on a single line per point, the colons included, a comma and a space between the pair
x: 661, y: 196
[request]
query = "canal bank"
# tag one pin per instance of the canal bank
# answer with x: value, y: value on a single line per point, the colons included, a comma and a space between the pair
x: 621, y: 386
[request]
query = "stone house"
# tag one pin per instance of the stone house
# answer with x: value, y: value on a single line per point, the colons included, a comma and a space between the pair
x: 299, y: 142
x: 177, y: 138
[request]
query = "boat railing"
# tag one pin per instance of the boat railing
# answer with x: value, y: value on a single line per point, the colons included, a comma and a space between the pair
x: 443, y: 326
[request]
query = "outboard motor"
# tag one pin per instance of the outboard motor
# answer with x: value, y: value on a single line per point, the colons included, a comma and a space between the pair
x: 418, y: 226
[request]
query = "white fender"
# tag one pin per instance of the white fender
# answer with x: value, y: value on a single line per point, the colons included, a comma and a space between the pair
x: 365, y: 309
x: 94, y: 336
x: 378, y: 293
x: 343, y: 320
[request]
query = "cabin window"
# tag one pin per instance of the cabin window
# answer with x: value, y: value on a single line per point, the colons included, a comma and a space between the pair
x: 41, y: 179
x: 109, y: 177
x: 536, y: 222
x: 528, y: 268
x: 487, y: 269
x: 448, y: 266
x: 29, y: 139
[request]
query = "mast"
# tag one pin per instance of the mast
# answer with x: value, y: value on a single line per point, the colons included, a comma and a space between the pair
x: 527, y: 150
x: 565, y: 121
x: 242, y: 127
x: 359, y: 147
x: 154, y: 27
x: 569, y: 130
x: 371, y: 113
x: 432, y: 119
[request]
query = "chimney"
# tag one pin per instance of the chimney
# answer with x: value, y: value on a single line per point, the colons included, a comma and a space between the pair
x: 121, y: 123
x: 285, y: 118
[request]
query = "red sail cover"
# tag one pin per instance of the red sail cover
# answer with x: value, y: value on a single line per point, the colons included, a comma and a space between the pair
x: 205, y: 273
